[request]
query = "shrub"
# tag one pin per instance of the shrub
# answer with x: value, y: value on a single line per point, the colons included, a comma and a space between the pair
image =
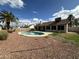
x: 26, y: 26
x: 10, y: 31
x: 3, y: 35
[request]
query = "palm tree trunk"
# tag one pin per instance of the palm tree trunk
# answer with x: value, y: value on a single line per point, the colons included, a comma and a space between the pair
x: 8, y: 25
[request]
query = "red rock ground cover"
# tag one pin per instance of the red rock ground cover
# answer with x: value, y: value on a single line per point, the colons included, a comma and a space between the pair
x: 20, y: 47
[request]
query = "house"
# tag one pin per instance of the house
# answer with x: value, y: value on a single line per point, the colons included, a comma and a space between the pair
x: 12, y: 25
x: 57, y: 26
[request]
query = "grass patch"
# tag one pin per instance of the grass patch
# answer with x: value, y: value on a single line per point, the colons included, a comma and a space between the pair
x: 55, y: 33
x: 71, y: 37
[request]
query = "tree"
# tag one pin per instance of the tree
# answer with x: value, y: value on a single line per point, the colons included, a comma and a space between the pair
x: 76, y: 22
x: 17, y: 21
x: 7, y: 17
x: 71, y: 20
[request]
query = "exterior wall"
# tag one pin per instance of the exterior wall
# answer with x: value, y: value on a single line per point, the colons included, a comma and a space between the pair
x: 73, y: 29
x: 41, y: 29
x: 65, y: 29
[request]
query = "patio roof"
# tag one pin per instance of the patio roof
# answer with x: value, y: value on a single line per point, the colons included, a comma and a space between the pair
x: 62, y: 22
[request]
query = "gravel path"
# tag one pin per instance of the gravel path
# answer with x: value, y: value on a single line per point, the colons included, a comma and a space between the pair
x: 20, y: 47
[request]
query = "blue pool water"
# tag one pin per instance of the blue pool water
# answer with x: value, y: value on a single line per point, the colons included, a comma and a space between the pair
x: 32, y: 33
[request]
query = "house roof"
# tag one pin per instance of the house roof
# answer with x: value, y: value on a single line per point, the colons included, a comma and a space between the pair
x: 62, y: 22
x: 43, y: 24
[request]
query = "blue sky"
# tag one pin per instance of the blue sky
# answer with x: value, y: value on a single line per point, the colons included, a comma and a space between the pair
x: 44, y: 10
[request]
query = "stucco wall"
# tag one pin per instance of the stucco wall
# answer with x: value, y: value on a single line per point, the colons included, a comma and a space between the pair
x: 73, y: 29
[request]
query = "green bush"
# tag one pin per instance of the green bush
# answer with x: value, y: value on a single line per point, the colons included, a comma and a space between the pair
x: 3, y: 35
x: 26, y: 26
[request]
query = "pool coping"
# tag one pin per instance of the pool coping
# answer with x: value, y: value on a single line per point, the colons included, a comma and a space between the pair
x: 45, y: 34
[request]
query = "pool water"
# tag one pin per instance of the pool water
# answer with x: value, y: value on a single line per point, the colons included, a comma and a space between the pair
x: 32, y: 33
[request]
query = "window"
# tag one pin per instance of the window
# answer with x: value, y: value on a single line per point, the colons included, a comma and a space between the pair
x: 48, y: 27
x: 35, y: 27
x: 43, y: 28
x: 39, y: 28
x: 53, y: 27
x: 61, y: 27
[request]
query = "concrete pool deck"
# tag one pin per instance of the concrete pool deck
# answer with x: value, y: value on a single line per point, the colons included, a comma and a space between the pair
x: 45, y: 34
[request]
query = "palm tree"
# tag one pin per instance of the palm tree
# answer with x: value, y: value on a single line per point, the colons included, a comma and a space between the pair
x: 7, y: 17
x: 71, y: 19
x: 17, y: 21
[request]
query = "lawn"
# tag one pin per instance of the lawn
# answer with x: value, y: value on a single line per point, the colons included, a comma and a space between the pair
x: 71, y: 36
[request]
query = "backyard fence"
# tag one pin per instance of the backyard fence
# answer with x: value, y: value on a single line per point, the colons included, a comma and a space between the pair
x: 73, y: 29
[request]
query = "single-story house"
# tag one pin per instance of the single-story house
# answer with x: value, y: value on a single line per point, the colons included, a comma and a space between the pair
x: 58, y: 26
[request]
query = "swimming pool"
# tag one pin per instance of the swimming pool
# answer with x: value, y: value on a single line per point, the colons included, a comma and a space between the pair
x: 33, y: 34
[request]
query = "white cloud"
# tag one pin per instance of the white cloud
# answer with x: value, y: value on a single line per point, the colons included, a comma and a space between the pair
x: 37, y: 20
x: 35, y: 12
x: 52, y: 19
x: 2, y: 2
x: 65, y: 13
x: 32, y: 21
x: 75, y: 11
x: 13, y: 3
x: 62, y: 13
x: 29, y: 21
x: 25, y: 21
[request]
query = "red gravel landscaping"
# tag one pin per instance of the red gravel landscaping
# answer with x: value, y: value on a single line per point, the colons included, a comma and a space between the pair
x: 20, y: 47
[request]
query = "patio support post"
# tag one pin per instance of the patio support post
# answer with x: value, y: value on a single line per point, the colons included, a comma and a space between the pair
x: 66, y: 28
x: 41, y: 27
x: 45, y: 28
x: 57, y: 28
x: 38, y: 28
x: 50, y: 28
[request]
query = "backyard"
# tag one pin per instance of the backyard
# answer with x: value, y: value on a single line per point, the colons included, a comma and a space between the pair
x: 50, y: 47
x: 39, y: 29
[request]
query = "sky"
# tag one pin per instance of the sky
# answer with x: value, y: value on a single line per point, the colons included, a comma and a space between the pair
x: 33, y: 11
